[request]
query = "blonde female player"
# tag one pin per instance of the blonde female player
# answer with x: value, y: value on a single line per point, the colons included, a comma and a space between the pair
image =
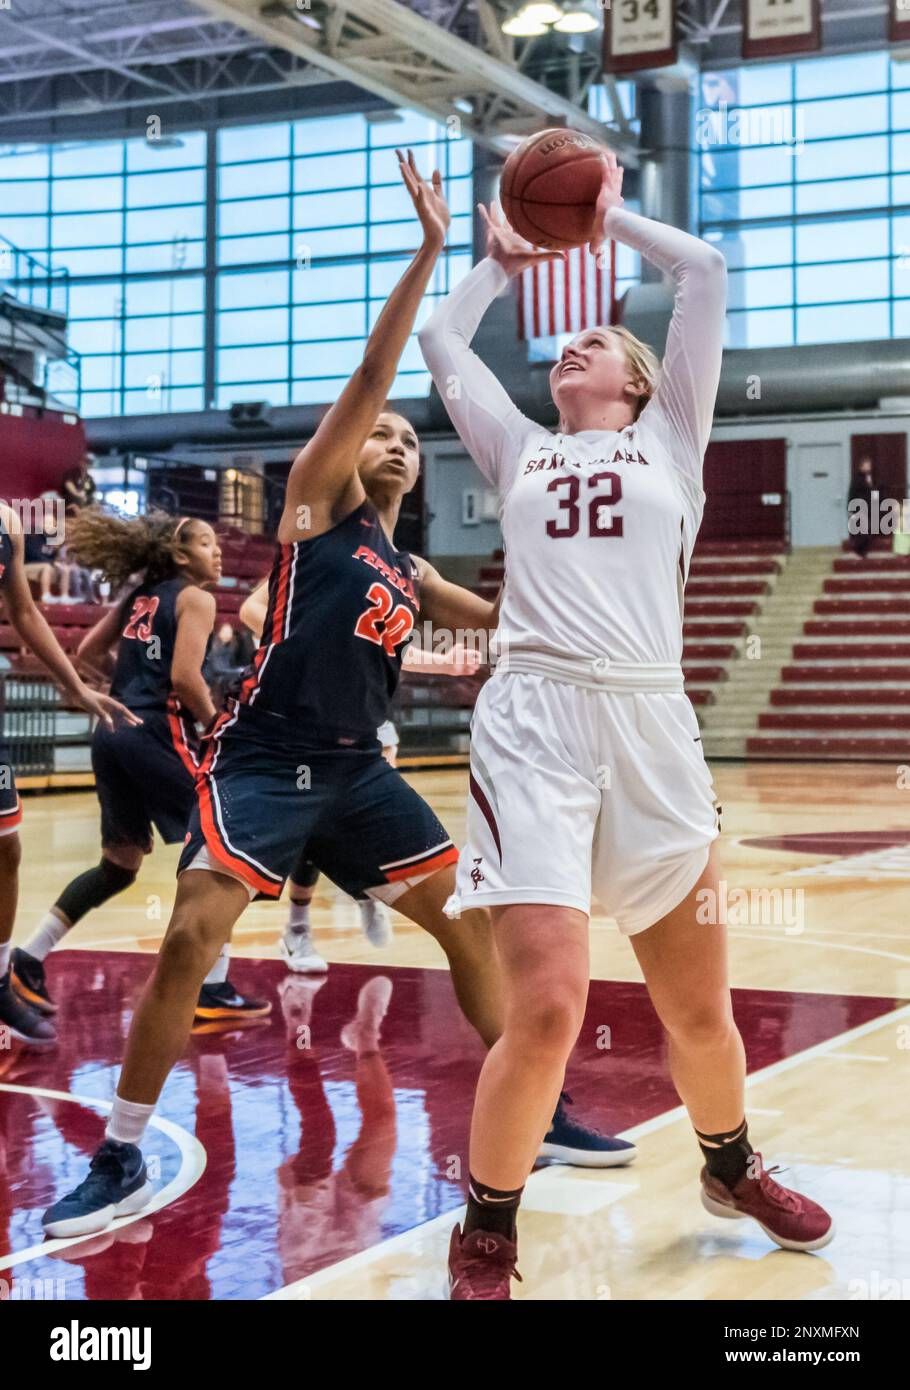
x: 586, y: 766
x: 295, y: 759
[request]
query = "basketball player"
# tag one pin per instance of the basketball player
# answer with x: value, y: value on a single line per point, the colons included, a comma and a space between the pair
x: 295, y: 759
x: 17, y: 1018
x: 587, y: 770
x: 296, y: 947
x: 156, y: 638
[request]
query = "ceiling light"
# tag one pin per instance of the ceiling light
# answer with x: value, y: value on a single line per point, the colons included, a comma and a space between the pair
x: 576, y: 20
x: 543, y: 11
x: 518, y: 27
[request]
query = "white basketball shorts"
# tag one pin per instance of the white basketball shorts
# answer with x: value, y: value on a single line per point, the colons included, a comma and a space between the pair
x: 578, y: 793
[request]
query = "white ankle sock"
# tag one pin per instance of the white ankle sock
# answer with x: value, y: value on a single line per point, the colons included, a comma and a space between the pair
x: 128, y: 1121
x: 5, y: 952
x: 48, y: 934
x: 298, y: 918
x: 219, y: 971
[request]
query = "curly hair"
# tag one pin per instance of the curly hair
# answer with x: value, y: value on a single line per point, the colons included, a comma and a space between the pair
x: 121, y: 547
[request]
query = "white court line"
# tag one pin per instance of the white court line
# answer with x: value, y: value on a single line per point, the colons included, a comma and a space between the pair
x: 301, y: 1288
x: 823, y: 945
x: 192, y: 1166
x: 855, y: 1057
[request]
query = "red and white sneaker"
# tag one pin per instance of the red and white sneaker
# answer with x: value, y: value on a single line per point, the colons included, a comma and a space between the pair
x: 481, y: 1265
x: 791, y: 1220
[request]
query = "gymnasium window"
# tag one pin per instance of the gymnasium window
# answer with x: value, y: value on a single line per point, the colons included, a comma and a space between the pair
x: 310, y: 229
x: 805, y: 188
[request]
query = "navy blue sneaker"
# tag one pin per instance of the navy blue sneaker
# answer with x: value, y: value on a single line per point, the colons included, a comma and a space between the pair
x: 117, y: 1185
x: 19, y: 1020
x: 569, y: 1141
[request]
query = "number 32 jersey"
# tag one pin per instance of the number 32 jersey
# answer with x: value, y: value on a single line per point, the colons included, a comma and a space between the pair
x: 341, y: 607
x: 598, y: 530
x: 598, y: 525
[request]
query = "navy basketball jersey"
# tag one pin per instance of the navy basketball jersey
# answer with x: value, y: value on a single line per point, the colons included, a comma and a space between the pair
x: 142, y: 674
x: 341, y: 607
x: 6, y: 556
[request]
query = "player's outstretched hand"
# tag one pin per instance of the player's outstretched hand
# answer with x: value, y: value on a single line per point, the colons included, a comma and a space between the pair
x: 106, y: 709
x: 610, y: 197
x: 509, y: 249
x: 428, y: 199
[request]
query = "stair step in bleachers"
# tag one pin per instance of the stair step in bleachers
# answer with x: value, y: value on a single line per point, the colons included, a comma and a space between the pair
x: 733, y: 566
x: 863, y: 584
x: 737, y: 548
x: 717, y: 651
x: 722, y: 588
x: 827, y: 719
x: 873, y: 564
x: 845, y: 650
x: 892, y: 695
x: 704, y: 675
x: 863, y: 628
x: 846, y: 674
x: 853, y: 607
x: 862, y: 749
x: 706, y: 629
x: 720, y: 608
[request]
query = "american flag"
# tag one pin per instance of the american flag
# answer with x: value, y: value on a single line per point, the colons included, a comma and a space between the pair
x: 568, y: 296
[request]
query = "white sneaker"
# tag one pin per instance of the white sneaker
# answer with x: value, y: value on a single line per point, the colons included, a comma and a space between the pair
x: 362, y: 1033
x: 300, y: 955
x: 376, y: 922
x: 296, y: 994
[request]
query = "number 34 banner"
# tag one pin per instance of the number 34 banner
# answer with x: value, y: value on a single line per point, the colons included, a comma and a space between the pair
x: 774, y: 27
x: 639, y: 34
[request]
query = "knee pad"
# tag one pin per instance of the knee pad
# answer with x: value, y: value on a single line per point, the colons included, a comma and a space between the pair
x: 304, y: 873
x: 93, y: 888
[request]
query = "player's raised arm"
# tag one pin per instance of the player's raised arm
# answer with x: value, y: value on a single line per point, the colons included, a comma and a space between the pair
x: 323, y: 483
x: 682, y: 407
x: 489, y: 424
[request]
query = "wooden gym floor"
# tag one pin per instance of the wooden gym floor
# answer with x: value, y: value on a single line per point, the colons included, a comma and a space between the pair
x: 316, y: 1176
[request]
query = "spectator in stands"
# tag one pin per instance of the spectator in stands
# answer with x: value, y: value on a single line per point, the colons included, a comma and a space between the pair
x: 78, y: 486
x: 230, y: 654
x: 861, y: 500
x: 40, y: 566
x: 76, y: 582
x: 165, y: 499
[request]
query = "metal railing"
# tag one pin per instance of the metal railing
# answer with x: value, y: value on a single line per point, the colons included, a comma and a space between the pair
x: 28, y: 714
x: 213, y: 491
x: 33, y: 282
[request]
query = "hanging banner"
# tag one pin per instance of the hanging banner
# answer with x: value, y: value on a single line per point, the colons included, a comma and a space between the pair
x: 900, y: 21
x: 639, y: 34
x: 775, y: 27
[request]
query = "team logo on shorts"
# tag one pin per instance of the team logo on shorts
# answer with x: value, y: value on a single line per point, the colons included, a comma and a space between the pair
x: 476, y: 876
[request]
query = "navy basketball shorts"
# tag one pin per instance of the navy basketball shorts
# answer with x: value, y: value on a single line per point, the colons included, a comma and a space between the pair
x: 10, y: 805
x: 145, y: 777
x: 260, y: 803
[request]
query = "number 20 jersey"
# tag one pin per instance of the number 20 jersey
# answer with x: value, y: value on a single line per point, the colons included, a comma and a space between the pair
x: 341, y: 607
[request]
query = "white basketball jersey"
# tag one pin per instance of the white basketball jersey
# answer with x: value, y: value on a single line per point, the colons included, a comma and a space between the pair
x: 598, y: 531
x: 598, y: 526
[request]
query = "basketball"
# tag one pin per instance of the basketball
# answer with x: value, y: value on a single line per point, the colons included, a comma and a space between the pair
x: 550, y: 185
